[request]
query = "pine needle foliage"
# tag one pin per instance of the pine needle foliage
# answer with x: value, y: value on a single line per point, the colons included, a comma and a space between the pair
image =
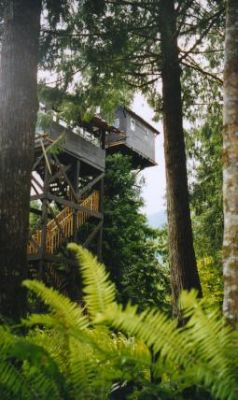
x: 108, y: 351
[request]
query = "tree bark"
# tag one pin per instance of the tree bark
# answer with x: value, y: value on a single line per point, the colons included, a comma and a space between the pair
x: 184, y: 273
x: 18, y: 110
x: 230, y: 168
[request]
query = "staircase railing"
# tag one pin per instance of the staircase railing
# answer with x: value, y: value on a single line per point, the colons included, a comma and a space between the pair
x: 61, y: 228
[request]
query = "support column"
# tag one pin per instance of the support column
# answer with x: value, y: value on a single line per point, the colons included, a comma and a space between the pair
x: 76, y: 189
x: 101, y: 209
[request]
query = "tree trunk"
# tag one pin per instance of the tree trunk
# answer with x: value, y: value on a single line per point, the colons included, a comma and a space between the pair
x: 18, y: 110
x: 184, y: 274
x: 230, y: 169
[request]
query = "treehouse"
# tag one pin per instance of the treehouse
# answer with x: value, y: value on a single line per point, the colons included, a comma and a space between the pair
x: 136, y: 138
x: 67, y: 183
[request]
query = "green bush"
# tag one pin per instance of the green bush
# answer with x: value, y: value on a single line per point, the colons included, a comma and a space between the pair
x: 103, y: 350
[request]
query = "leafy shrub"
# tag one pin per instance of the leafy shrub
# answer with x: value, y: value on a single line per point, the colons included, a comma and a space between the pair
x: 106, y: 351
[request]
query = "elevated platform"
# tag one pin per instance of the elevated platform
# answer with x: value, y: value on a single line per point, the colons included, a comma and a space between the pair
x: 139, y: 160
x: 74, y: 144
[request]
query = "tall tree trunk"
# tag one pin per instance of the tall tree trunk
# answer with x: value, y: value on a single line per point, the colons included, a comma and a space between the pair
x: 230, y: 169
x: 184, y: 274
x: 18, y: 110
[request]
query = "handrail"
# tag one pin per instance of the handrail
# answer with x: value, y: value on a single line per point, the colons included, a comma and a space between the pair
x: 58, y: 231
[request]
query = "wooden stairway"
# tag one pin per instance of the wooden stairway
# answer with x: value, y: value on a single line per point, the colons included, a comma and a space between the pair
x: 61, y: 228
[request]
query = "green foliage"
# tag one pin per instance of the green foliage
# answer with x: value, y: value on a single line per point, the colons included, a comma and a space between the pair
x: 98, y: 293
x: 81, y: 105
x: 209, y: 270
x: 34, y: 218
x: 211, y: 280
x: 115, y: 352
x: 205, y: 151
x: 130, y: 245
x: 117, y: 44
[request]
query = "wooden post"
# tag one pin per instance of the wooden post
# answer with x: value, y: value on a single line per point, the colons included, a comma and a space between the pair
x: 101, y: 205
x: 101, y: 209
x: 103, y: 139
x: 76, y: 189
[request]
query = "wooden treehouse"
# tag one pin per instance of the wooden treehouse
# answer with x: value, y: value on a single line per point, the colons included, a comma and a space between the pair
x: 67, y: 184
x: 135, y: 137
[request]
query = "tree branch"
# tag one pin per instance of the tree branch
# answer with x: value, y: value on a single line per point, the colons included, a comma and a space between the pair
x: 197, y: 68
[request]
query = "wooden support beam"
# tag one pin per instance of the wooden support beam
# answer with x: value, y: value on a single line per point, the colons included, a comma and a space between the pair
x: 37, y: 162
x: 76, y: 180
x: 46, y: 157
x: 37, y: 197
x: 103, y: 139
x: 101, y: 209
x: 73, y: 205
x: 58, y: 174
x: 34, y: 242
x: 60, y: 260
x: 35, y: 211
x: 34, y: 257
x: 66, y: 178
x: 99, y: 242
x: 91, y: 184
x: 93, y: 234
x: 56, y: 220
x: 52, y: 259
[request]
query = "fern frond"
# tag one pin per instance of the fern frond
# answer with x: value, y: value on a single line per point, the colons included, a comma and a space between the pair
x: 26, y: 370
x: 45, y: 320
x: 154, y: 329
x: 12, y: 383
x: 86, y: 373
x: 216, y: 349
x: 43, y: 386
x: 66, y: 312
x: 99, y: 292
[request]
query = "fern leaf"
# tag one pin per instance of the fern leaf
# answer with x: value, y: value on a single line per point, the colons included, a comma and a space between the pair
x: 67, y: 313
x: 99, y: 292
x: 154, y: 329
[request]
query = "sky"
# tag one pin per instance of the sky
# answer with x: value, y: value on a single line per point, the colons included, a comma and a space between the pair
x: 153, y: 191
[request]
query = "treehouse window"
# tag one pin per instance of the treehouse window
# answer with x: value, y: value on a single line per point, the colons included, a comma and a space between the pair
x: 117, y: 123
x: 133, y: 124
